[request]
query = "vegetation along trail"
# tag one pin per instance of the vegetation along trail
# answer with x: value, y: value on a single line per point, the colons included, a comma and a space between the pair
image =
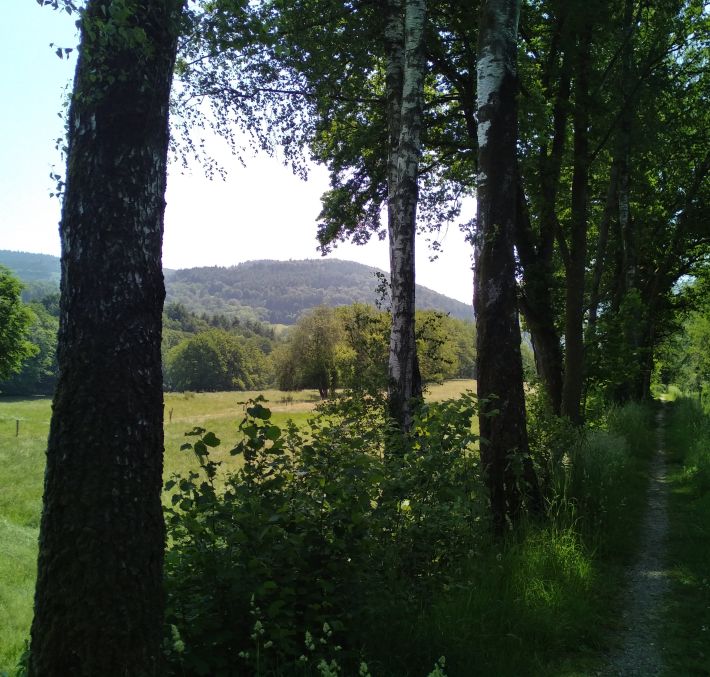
x: 639, y: 652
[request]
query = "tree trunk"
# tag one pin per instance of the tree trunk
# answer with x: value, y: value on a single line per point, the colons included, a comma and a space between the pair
x: 99, y: 601
x: 405, y: 94
x: 574, y: 296
x: 536, y: 304
x: 536, y: 254
x: 499, y: 365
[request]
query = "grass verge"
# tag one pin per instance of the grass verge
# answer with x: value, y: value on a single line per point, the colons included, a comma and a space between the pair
x: 546, y: 602
x: 687, y: 615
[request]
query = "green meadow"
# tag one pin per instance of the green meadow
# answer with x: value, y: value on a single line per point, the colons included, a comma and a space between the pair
x: 24, y: 426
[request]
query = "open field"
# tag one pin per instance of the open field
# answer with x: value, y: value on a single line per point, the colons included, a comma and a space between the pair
x: 22, y: 470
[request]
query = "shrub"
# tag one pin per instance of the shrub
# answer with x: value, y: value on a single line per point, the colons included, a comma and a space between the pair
x: 316, y: 528
x: 689, y: 441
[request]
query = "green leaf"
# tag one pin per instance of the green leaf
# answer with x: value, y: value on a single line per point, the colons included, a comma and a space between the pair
x: 259, y: 412
x: 211, y: 440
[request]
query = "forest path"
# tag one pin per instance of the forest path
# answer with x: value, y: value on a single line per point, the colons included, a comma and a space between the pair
x: 647, y: 579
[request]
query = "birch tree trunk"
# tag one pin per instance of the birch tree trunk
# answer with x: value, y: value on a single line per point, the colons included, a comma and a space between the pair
x: 405, y: 94
x: 499, y: 364
x: 99, y: 600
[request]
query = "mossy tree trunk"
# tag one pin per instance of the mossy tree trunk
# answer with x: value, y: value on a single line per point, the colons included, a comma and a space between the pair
x: 99, y: 601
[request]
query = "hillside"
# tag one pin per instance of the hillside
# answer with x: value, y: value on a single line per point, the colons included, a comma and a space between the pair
x: 279, y: 291
x: 270, y: 291
x: 31, y: 267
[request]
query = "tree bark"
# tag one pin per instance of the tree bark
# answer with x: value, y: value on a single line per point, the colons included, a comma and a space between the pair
x: 536, y: 303
x: 574, y: 296
x: 536, y: 254
x: 99, y: 601
x: 405, y: 96
x: 499, y: 365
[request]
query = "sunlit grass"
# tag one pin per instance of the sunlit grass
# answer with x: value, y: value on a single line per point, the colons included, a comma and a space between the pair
x: 22, y: 461
x: 22, y: 458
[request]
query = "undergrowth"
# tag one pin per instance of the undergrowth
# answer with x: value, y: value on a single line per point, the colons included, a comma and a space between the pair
x: 321, y: 555
x: 687, y: 616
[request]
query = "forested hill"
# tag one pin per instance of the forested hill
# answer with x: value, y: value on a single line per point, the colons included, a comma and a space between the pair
x: 280, y: 291
x: 31, y: 267
x: 269, y: 291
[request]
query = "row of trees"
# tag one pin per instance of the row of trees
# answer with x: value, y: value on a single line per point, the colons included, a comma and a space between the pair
x: 328, y: 348
x: 582, y: 128
x: 347, y: 347
x: 408, y: 108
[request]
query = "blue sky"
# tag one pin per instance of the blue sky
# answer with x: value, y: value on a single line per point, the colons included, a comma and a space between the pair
x: 261, y: 211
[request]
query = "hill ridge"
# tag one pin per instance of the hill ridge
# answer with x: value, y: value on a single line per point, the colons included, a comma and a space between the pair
x: 261, y: 289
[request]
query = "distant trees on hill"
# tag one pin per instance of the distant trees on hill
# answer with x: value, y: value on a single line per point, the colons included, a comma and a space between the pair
x: 281, y: 291
x: 277, y: 292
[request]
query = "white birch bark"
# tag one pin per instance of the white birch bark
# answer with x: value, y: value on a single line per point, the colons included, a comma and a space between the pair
x: 407, y: 65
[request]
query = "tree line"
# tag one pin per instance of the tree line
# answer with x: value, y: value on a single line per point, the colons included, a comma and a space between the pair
x: 327, y: 349
x: 581, y: 127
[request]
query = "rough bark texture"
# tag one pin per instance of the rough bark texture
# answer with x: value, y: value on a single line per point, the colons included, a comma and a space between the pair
x: 99, y: 602
x: 574, y: 293
x: 405, y: 86
x: 499, y: 365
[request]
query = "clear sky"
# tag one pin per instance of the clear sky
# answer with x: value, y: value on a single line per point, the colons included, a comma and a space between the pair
x: 260, y: 211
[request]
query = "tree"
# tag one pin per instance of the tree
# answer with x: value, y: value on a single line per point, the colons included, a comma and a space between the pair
x: 499, y: 364
x: 404, y: 94
x: 363, y: 357
x: 215, y: 360
x: 340, y: 73
x: 99, y: 599
x: 39, y: 373
x: 15, y: 322
x: 309, y: 358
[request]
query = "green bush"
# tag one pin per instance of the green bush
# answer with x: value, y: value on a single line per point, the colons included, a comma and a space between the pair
x: 323, y: 551
x: 315, y: 529
x: 689, y: 441
x: 634, y: 422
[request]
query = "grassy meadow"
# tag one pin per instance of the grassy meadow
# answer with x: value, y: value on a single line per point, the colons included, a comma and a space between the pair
x: 22, y: 467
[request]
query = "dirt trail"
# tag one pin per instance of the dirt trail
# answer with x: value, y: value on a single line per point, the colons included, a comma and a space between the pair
x: 639, y: 653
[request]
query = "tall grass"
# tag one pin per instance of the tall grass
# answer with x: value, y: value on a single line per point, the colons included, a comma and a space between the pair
x: 687, y: 615
x: 544, y: 601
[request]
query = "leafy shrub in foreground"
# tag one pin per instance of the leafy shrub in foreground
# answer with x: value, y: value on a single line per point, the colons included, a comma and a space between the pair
x: 317, y: 528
